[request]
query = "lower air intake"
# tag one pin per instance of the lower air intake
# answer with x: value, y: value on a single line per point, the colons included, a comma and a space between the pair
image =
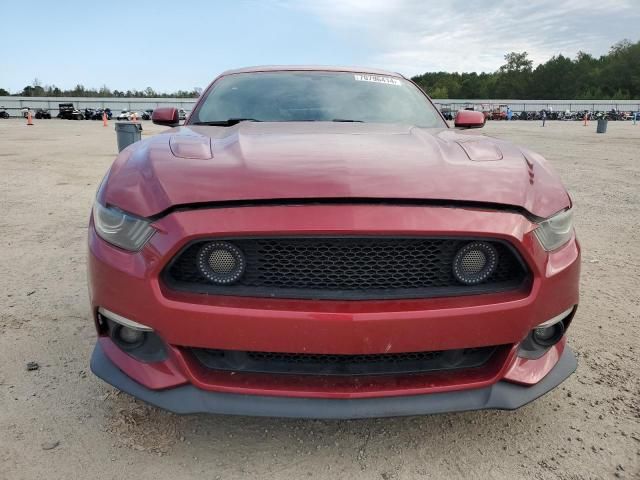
x: 317, y: 364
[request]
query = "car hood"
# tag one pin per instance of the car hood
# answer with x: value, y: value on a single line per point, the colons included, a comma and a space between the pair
x: 316, y: 160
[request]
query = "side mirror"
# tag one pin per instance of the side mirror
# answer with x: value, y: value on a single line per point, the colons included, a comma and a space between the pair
x: 167, y: 116
x: 469, y: 119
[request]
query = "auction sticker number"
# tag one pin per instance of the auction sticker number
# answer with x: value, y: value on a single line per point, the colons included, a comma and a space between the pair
x: 376, y: 79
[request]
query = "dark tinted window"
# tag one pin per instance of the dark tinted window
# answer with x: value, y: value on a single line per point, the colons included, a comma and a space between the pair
x: 317, y: 96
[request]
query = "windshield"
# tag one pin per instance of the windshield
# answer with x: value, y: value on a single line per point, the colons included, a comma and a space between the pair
x: 303, y: 96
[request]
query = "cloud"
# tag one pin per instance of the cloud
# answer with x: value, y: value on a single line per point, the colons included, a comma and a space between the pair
x: 412, y: 36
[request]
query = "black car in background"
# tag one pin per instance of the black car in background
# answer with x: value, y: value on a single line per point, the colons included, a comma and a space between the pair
x: 68, y: 112
x: 43, y: 113
x: 97, y: 113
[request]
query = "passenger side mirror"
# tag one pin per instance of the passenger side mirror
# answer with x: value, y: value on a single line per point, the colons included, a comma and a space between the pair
x: 469, y: 119
x: 167, y: 116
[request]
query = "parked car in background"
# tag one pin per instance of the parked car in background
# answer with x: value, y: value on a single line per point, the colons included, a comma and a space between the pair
x: 4, y: 113
x: 97, y: 114
x: 499, y: 112
x: 182, y: 113
x: 67, y: 111
x: 42, y: 113
x: 485, y: 109
x: 129, y: 115
x: 447, y: 113
x: 88, y: 113
x: 294, y: 250
x: 123, y: 115
x: 146, y: 115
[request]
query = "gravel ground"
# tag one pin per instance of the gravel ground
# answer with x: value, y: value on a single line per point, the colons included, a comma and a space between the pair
x: 58, y: 421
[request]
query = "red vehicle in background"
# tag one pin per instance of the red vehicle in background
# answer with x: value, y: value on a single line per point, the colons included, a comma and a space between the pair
x: 499, y: 113
x: 317, y: 242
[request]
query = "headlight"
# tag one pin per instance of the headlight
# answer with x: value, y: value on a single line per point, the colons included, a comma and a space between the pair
x: 121, y: 229
x: 555, y: 231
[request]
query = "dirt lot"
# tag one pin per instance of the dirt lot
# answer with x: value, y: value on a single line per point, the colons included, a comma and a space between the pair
x: 60, y: 422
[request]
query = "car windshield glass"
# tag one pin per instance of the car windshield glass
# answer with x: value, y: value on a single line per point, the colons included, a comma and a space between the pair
x: 303, y: 96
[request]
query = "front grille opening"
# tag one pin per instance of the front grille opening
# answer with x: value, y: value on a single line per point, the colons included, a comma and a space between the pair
x: 351, y: 268
x: 334, y: 364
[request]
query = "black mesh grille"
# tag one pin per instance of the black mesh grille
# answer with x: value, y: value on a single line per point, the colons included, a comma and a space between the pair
x: 346, y: 267
x: 317, y: 364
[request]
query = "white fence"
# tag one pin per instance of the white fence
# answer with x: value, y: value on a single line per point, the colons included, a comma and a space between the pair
x: 537, y: 105
x: 14, y: 104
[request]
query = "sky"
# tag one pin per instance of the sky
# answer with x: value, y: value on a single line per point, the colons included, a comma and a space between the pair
x: 171, y: 45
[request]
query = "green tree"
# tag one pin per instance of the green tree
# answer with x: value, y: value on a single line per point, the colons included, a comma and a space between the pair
x: 614, y: 75
x: 439, y: 92
x: 79, y: 91
x: 517, y: 63
x: 514, y: 76
x: 554, y: 79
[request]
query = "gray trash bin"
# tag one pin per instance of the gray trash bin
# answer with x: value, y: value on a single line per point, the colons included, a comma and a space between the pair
x: 127, y: 133
x: 602, y: 125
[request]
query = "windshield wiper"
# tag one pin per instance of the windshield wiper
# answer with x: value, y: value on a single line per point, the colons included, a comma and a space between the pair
x: 226, y: 123
x: 347, y: 120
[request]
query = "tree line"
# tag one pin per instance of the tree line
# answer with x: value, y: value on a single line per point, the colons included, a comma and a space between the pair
x: 614, y: 76
x: 36, y: 89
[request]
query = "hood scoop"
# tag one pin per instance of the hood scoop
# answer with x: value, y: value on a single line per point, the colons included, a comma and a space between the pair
x: 191, y: 146
x: 480, y: 150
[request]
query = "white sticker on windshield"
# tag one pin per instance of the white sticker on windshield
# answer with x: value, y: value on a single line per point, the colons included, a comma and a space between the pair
x: 376, y: 79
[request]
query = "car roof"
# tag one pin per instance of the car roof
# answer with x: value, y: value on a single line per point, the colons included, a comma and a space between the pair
x: 317, y: 68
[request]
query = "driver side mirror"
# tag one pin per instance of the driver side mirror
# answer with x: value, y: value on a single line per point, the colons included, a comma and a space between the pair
x: 167, y: 116
x: 469, y: 119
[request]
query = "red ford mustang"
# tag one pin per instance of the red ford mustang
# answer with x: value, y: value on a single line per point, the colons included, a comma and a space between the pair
x: 317, y: 242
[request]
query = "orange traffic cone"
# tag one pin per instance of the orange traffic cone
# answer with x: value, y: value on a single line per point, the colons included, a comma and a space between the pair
x: 104, y: 119
x: 29, y: 119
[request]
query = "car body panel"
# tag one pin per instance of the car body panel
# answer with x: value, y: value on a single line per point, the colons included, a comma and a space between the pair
x: 134, y: 289
x: 324, y: 160
x: 190, y: 399
x: 131, y: 285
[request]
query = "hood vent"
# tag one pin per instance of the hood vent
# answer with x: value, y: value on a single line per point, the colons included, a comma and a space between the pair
x: 191, y: 146
x: 480, y: 150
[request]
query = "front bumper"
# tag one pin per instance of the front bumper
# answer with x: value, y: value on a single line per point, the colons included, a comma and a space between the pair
x: 189, y: 399
x: 129, y: 284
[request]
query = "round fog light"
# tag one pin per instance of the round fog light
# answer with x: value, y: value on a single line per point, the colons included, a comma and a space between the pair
x: 130, y: 336
x: 547, y: 336
x: 221, y: 262
x: 475, y: 262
